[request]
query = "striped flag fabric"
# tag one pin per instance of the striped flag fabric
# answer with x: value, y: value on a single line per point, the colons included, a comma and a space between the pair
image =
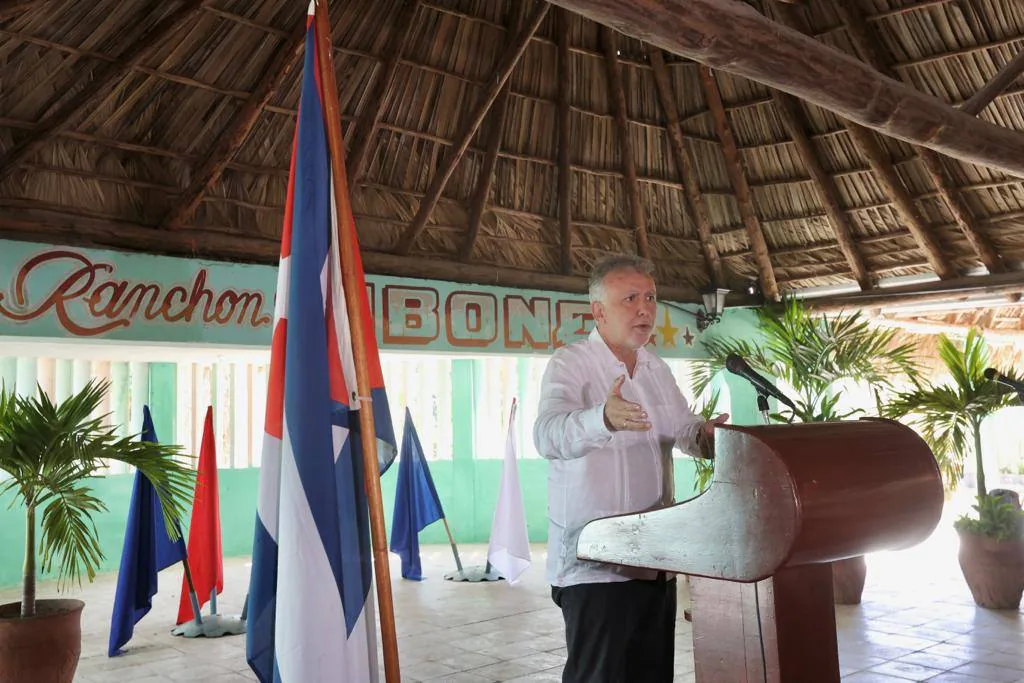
x: 311, y: 604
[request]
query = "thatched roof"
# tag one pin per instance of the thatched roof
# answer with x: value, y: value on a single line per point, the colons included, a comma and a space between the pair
x: 166, y: 127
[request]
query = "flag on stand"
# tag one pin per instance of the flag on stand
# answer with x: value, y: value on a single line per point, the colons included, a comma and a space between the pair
x: 311, y: 607
x: 509, y: 550
x: 147, y: 549
x: 205, y: 556
x: 416, y: 502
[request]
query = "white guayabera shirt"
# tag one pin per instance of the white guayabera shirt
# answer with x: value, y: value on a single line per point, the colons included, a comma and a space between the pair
x: 595, y: 472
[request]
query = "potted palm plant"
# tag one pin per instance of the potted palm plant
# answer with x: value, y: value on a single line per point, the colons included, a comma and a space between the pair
x: 814, y: 355
x: 949, y: 418
x: 49, y: 452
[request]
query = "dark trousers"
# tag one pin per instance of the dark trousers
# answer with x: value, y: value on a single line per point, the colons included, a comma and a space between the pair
x: 621, y: 632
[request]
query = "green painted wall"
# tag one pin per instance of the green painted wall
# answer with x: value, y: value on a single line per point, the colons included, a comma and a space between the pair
x: 467, y: 485
x: 468, y: 508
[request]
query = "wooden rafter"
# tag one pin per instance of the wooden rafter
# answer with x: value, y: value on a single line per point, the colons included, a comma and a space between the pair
x: 381, y: 93
x: 734, y: 165
x: 564, y: 142
x: 732, y: 36
x: 61, y: 228
x: 995, y: 87
x: 11, y: 8
x: 105, y: 77
x: 618, y: 101
x: 212, y: 167
x: 687, y: 170
x: 867, y: 46
x: 477, y: 204
x: 793, y: 121
x: 869, y: 146
x: 959, y: 289
x: 885, y: 172
x: 513, y: 51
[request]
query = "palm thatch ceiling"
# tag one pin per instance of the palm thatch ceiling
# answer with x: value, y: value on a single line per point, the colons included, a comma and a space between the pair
x: 514, y: 142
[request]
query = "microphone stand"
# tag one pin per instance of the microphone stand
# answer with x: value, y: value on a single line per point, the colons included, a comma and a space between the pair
x: 762, y: 405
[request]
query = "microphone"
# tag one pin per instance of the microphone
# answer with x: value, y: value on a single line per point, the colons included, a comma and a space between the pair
x: 738, y: 366
x: 993, y: 374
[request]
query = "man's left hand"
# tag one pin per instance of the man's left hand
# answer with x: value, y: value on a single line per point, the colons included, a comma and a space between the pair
x: 709, y: 426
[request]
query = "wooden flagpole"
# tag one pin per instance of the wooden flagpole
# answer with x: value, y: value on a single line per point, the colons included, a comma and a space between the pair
x: 346, y: 242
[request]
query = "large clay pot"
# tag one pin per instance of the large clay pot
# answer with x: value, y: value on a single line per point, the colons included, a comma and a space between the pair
x: 994, y: 570
x: 848, y: 580
x: 44, y: 648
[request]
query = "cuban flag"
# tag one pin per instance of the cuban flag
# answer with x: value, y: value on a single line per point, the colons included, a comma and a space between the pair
x: 311, y: 607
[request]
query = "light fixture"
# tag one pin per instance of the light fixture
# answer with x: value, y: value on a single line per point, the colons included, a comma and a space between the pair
x: 714, y: 303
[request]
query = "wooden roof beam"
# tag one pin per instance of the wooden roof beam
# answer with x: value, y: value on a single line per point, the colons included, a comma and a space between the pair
x: 942, y: 290
x: 734, y: 37
x: 382, y: 92
x: 477, y: 204
x: 892, y: 184
x: 788, y: 109
x: 562, y: 26
x: 868, y: 47
x: 508, y: 61
x: 687, y: 169
x: 104, y: 78
x: 995, y: 87
x: 212, y: 167
x: 61, y: 228
x: 734, y: 165
x: 618, y: 102
x: 11, y: 8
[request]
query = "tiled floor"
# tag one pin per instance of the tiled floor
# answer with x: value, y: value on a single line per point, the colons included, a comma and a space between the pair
x: 917, y: 623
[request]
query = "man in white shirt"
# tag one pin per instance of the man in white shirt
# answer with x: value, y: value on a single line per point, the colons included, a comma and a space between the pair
x: 610, y: 413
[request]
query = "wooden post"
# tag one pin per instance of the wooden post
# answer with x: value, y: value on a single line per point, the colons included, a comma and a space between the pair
x: 681, y: 155
x: 734, y: 164
x: 348, y: 243
x: 513, y: 51
x: 788, y: 109
x: 618, y: 101
x: 564, y: 144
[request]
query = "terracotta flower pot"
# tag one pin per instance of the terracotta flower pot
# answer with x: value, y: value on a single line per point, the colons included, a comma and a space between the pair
x: 994, y: 570
x: 848, y: 580
x: 44, y: 648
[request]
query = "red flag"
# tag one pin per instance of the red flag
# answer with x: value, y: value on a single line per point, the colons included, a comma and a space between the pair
x: 205, y: 556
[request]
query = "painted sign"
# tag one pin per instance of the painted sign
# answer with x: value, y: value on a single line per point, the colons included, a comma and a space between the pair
x: 50, y: 291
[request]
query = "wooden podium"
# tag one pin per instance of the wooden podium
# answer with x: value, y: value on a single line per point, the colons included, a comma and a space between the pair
x: 785, y: 501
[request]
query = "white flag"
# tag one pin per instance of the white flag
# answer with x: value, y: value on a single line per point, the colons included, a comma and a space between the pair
x: 509, y: 551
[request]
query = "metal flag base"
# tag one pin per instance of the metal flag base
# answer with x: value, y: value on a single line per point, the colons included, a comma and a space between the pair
x: 212, y: 626
x: 474, y: 574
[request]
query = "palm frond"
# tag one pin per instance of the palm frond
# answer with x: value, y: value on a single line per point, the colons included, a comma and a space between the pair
x: 948, y: 415
x: 51, y: 450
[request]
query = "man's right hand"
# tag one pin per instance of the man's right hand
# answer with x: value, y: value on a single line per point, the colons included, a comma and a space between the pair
x: 623, y: 415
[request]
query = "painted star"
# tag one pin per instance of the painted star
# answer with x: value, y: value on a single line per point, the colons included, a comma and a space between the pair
x: 688, y: 337
x: 668, y: 332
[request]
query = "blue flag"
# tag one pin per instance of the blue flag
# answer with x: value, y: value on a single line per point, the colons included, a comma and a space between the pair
x: 416, y: 502
x: 147, y: 550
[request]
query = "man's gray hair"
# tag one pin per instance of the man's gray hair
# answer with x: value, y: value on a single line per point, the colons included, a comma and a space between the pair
x: 610, y: 264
